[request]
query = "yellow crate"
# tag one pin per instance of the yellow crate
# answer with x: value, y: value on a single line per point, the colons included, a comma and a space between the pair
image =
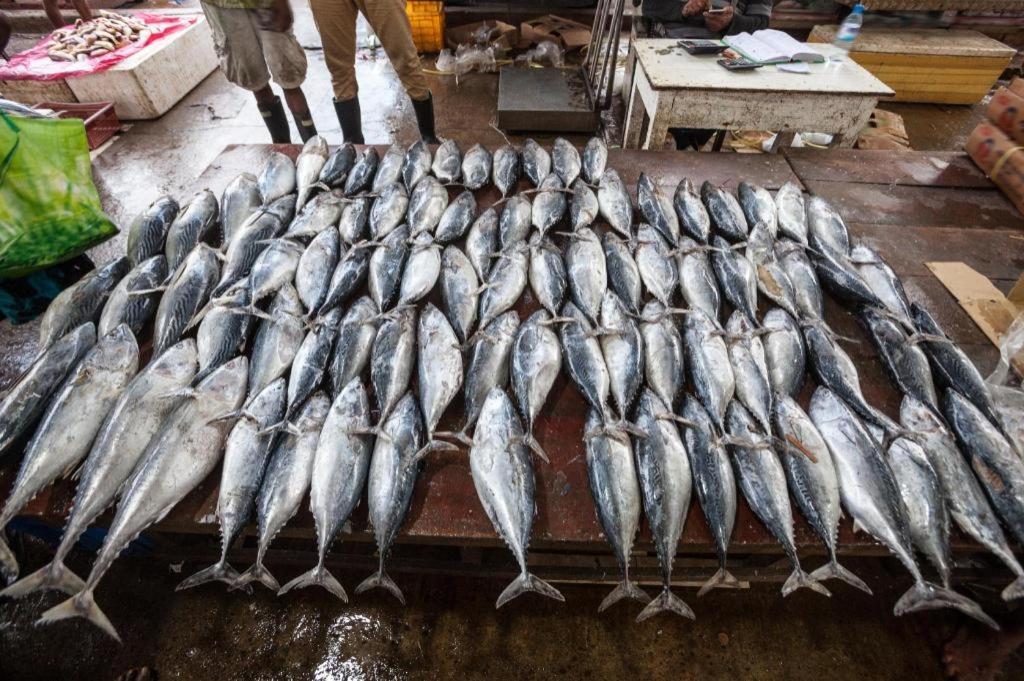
x: 427, y: 19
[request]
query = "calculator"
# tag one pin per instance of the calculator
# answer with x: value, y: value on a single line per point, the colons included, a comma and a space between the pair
x: 739, y: 64
x: 698, y: 46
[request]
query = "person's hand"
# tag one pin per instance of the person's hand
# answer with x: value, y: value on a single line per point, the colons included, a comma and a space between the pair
x: 279, y: 17
x: 718, y: 21
x: 693, y: 7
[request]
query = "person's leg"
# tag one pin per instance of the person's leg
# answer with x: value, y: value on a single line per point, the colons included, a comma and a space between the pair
x: 391, y: 24
x: 336, y: 22
x: 82, y: 7
x: 53, y: 13
x: 287, y: 62
x: 5, y: 34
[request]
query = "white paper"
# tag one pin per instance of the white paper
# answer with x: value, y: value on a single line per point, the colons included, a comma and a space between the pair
x: 794, y: 67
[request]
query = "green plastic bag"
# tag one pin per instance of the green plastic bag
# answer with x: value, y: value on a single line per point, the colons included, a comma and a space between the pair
x: 49, y: 207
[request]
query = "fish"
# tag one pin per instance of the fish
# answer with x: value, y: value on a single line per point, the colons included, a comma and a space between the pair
x: 391, y: 482
x: 623, y: 272
x: 548, y: 278
x: 426, y: 205
x: 826, y: 230
x: 277, y: 179
x: 905, y: 362
x: 964, y: 496
x: 80, y: 303
x: 355, y: 217
x: 316, y: 266
x: 807, y: 296
x: 360, y: 178
x: 386, y: 266
x: 584, y: 360
x: 505, y: 283
x: 870, y: 495
x: 840, y: 278
x: 416, y: 164
x: 459, y: 291
x: 710, y: 368
x: 289, y: 471
x: 310, y: 362
x: 657, y: 209
x: 725, y: 212
x: 583, y: 207
x: 515, y: 221
x: 666, y: 484
x: 772, y: 276
x: 758, y: 207
x: 182, y: 453
x: 587, y: 271
x: 615, y: 488
x: 813, y: 482
x: 422, y: 269
x: 536, y: 362
x: 439, y: 369
x: 623, y: 349
x: 927, y: 517
x: 392, y: 359
x: 389, y: 170
x: 69, y: 425
x: 120, y: 442
x: 697, y: 282
x: 283, y: 208
x: 565, y: 161
x: 352, y: 270
x: 223, y: 332
x: 536, y: 162
x: 476, y: 167
x: 318, y: 215
x: 249, y: 242
x: 482, y: 242
x: 447, y: 165
x: 791, y: 213
x: 503, y: 477
x: 456, y: 218
x: 123, y: 306
x: 506, y: 169
x: 715, y: 483
x: 148, y: 231
x: 656, y: 264
x: 763, y: 482
x: 614, y: 203
x: 750, y: 369
x: 246, y: 452
x: 595, y: 158
x: 549, y: 205
x: 340, y: 467
x: 338, y: 165
x: 277, y: 340
x: 194, y: 223
x: 882, y: 281
x: 186, y: 294
x: 694, y: 220
x: 664, y: 354
x: 308, y: 165
x: 785, y: 352
x: 354, y: 343
x: 274, y: 267
x: 736, y: 277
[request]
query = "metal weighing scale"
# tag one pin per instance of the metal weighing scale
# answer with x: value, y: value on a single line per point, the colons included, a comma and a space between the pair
x: 569, y: 99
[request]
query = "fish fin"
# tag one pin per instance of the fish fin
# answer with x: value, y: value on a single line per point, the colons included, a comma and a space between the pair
x: 52, y: 576
x: 632, y: 428
x: 625, y: 589
x: 380, y: 579
x: 219, y: 572
x: 800, y: 579
x: 451, y: 434
x: 722, y: 579
x: 182, y: 392
x: 257, y: 573
x: 666, y: 601
x: 82, y: 604
x: 273, y: 428
x: 433, y: 446
x: 147, y: 291
x: 834, y: 570
x: 8, y: 563
x: 857, y: 527
x: 1013, y: 591
x: 928, y: 596
x: 527, y: 582
x: 318, y: 576
x: 531, y: 442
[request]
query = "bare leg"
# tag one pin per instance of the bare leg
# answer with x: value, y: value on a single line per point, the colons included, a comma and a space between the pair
x: 82, y: 7
x: 300, y: 112
x: 5, y: 34
x: 265, y: 95
x: 53, y: 13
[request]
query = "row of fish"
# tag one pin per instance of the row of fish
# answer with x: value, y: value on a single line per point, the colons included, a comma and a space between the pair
x: 284, y: 336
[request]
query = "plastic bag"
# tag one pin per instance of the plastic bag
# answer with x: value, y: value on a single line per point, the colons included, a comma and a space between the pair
x: 546, y: 52
x: 49, y: 207
x: 466, y: 58
x: 1005, y: 387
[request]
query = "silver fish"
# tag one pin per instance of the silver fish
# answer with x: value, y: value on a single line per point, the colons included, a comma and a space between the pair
x: 784, y: 351
x: 536, y: 162
x: 656, y: 264
x: 772, y: 276
x: 482, y: 242
x: 456, y: 218
x: 422, y: 269
x: 840, y: 278
x: 283, y: 208
x: 186, y: 295
x: 882, y: 281
x: 505, y: 169
x: 807, y: 294
x: 389, y: 170
x: 725, y: 212
x: 488, y: 367
x: 584, y: 207
x: 392, y: 359
x: 664, y: 364
x: 80, y: 303
x: 426, y: 205
x: 826, y: 230
x: 536, y: 362
x: 386, y: 266
x: 595, y: 157
x: 338, y: 165
x: 388, y: 209
x: 310, y: 361
x: 614, y: 202
x: 223, y: 332
x: 277, y: 178
x: 750, y: 369
x: 587, y: 271
x: 791, y: 213
x: 124, y: 306
x: 356, y: 333
x: 318, y: 215
x: 904, y: 361
x: 250, y: 240
x: 193, y: 224
x: 308, y: 165
x: 565, y: 161
x: 623, y: 348
x: 352, y: 270
x: 623, y: 272
x: 657, y: 209
x: 549, y: 204
x: 416, y: 164
x: 709, y: 364
x: 355, y: 217
x: 459, y: 291
x: 476, y: 167
x: 547, y: 275
x: 696, y: 278
x: 361, y: 176
x: 439, y: 367
x: 736, y: 277
x: 148, y: 230
x: 276, y: 341
x: 927, y: 517
x: 515, y: 221
x: 584, y: 361
x: 758, y: 207
x: 505, y: 283
x: 693, y: 217
x: 316, y: 266
x: 274, y: 267
x: 447, y: 165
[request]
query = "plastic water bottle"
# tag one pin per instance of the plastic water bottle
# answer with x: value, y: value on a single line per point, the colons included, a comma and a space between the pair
x: 849, y: 29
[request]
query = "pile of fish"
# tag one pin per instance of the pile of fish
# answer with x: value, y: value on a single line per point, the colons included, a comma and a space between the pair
x: 309, y: 330
x: 86, y: 39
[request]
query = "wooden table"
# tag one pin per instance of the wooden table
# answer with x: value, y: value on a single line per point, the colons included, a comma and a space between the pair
x: 912, y: 206
x: 674, y: 89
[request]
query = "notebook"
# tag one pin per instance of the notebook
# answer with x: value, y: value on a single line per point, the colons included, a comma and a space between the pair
x: 772, y: 47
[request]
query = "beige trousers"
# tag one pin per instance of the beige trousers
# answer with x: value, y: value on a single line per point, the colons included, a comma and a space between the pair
x: 336, y: 22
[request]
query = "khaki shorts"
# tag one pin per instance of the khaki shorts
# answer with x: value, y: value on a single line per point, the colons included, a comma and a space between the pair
x: 250, y: 55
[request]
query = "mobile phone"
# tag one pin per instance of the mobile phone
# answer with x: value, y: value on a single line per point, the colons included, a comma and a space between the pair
x: 739, y: 64
x: 714, y: 10
x: 699, y: 46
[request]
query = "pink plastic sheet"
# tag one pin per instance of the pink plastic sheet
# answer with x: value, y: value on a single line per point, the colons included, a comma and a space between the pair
x: 33, y: 64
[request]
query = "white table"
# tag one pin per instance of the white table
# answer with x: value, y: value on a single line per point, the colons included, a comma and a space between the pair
x: 673, y: 89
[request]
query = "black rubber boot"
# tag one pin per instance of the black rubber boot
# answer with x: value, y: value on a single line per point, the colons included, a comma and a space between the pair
x: 424, y: 110
x: 350, y: 119
x: 276, y: 121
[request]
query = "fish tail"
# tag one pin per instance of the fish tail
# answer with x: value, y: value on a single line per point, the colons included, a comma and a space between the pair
x: 257, y: 573
x: 666, y: 601
x: 380, y: 579
x: 833, y: 570
x: 318, y: 576
x: 928, y: 596
x: 8, y: 563
x: 52, y: 576
x: 800, y: 579
x: 535, y: 447
x: 722, y: 579
x: 527, y: 582
x: 1013, y: 591
x: 82, y: 604
x: 218, y: 572
x: 625, y: 589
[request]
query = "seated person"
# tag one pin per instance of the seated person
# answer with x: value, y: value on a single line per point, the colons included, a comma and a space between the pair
x: 52, y: 9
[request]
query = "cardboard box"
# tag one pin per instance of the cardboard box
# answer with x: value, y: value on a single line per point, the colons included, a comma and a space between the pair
x: 497, y: 33
x: 566, y: 33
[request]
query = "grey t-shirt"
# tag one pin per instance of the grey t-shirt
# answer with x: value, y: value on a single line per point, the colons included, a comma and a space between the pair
x: 748, y: 15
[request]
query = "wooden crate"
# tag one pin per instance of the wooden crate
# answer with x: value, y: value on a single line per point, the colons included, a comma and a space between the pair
x: 32, y: 92
x: 928, y: 65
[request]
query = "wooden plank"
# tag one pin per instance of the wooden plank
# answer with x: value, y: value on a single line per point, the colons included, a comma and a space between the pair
x: 921, y: 42
x: 917, y: 168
